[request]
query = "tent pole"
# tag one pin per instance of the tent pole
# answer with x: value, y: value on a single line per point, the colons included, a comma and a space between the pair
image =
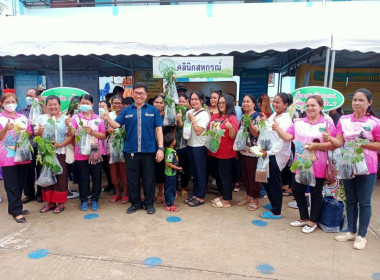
x: 60, y: 72
x: 332, y: 69
x: 327, y: 67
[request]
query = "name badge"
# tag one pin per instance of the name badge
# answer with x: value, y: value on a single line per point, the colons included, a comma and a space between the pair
x: 149, y: 115
x: 128, y: 116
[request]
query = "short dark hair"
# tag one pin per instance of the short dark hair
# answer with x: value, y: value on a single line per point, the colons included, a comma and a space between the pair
x: 87, y: 97
x: 117, y: 90
x: 251, y: 96
x: 168, y: 139
x: 140, y: 85
x: 158, y: 96
x: 107, y: 103
x: 198, y: 93
x: 183, y: 95
x: 128, y: 101
x: 38, y: 93
x: 53, y: 97
x: 286, y: 98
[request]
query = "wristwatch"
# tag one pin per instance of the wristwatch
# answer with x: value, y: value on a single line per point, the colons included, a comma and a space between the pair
x: 161, y: 149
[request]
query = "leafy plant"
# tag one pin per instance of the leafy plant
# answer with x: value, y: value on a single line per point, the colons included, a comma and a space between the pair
x: 168, y: 100
x: 82, y: 131
x: 118, y: 138
x: 24, y: 141
x: 183, y: 109
x: 215, y: 134
x: 301, y: 165
x: 46, y: 153
x: 355, y: 151
x: 169, y: 72
x: 247, y: 119
x: 262, y: 124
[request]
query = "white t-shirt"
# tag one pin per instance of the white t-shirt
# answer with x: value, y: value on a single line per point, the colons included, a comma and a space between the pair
x: 202, y: 119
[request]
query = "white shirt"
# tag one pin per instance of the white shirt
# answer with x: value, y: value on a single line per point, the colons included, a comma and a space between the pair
x: 280, y: 148
x: 202, y: 119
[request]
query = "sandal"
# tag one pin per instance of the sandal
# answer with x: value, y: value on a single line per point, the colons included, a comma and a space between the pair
x: 196, y: 203
x: 215, y: 200
x: 59, y: 209
x: 270, y: 215
x: 174, y: 204
x: 268, y: 206
x: 115, y: 198
x: 160, y: 199
x: 252, y: 206
x: 172, y: 208
x: 46, y: 208
x: 124, y: 200
x: 243, y: 202
x: 20, y: 220
x: 189, y: 199
x: 219, y: 204
x: 184, y: 193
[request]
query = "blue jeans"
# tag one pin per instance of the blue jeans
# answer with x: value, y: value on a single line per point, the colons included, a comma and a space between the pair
x: 359, y: 191
x: 198, y: 167
x: 170, y: 189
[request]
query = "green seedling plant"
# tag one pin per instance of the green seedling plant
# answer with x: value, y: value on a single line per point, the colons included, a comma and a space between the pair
x: 182, y: 109
x: 355, y: 151
x: 82, y: 132
x: 118, y: 138
x: 216, y: 134
x: 46, y: 153
x: 24, y: 141
x: 301, y: 165
x: 247, y: 119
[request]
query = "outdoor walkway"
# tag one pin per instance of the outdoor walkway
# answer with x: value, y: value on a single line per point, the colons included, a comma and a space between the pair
x: 207, y: 243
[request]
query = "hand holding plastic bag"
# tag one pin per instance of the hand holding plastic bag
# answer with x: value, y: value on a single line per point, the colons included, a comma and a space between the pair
x: 262, y: 170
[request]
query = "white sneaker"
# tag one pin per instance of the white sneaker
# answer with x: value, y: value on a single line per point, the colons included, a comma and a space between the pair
x: 347, y: 236
x: 309, y: 229
x: 298, y: 223
x: 359, y: 243
x: 293, y: 205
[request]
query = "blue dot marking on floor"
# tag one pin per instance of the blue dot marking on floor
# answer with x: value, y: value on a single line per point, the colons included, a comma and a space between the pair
x: 173, y: 219
x: 260, y: 223
x: 376, y: 276
x: 265, y: 268
x: 152, y: 262
x: 38, y: 254
x: 91, y: 216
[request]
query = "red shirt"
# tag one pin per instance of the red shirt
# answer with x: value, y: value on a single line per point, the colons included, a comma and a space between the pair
x: 225, y: 150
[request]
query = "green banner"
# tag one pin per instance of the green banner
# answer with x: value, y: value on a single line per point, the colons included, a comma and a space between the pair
x: 332, y: 99
x: 65, y: 94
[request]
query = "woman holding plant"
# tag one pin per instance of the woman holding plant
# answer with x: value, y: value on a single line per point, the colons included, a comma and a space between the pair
x: 227, y: 124
x: 196, y: 149
x: 360, y: 135
x: 53, y: 130
x: 278, y: 152
x: 89, y: 130
x: 12, y: 125
x: 117, y: 165
x: 249, y: 159
x: 310, y: 159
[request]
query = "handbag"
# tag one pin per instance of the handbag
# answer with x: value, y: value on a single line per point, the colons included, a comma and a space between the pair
x: 331, y: 214
x: 330, y: 169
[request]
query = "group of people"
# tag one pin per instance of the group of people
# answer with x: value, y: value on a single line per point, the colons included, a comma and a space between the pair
x: 155, y: 154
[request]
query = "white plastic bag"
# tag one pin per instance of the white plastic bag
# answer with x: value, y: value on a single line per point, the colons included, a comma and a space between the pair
x: 56, y: 162
x: 173, y: 92
x: 306, y: 175
x: 264, y: 141
x: 170, y: 115
x: 186, y: 129
x: 85, y: 145
x: 116, y: 153
x: 22, y: 148
x: 46, y: 178
x: 262, y: 170
x: 35, y: 112
x: 240, y: 140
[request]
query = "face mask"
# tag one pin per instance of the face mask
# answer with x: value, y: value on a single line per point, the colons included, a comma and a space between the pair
x: 85, y: 108
x: 10, y: 107
x: 101, y: 111
x: 29, y: 101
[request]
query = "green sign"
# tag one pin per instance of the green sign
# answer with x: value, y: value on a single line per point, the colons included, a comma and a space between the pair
x: 65, y: 94
x: 332, y: 99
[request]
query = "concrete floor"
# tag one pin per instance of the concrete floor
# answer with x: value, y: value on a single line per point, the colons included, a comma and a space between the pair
x: 208, y: 243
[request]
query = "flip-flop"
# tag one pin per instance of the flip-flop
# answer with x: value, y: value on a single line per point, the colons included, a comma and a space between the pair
x: 195, y: 203
x: 189, y: 199
x: 269, y: 215
x: 47, y: 208
x: 252, y: 206
x: 242, y: 202
x: 268, y: 206
x: 115, y: 198
x: 171, y: 208
x: 124, y: 200
x: 219, y: 204
x: 58, y: 209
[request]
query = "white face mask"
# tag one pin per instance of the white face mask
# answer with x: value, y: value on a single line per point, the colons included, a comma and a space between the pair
x: 10, y: 107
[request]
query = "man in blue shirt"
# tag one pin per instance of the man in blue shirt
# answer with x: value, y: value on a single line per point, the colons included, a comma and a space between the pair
x: 143, y: 126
